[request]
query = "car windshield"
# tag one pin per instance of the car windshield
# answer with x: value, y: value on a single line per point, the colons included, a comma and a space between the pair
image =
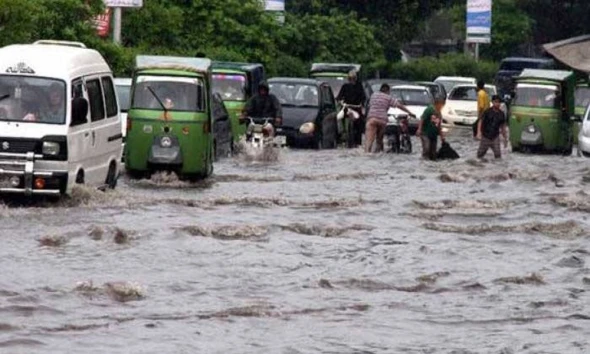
x: 123, y: 93
x: 449, y: 84
x: 230, y: 87
x: 175, y: 93
x: 32, y: 99
x: 463, y: 94
x: 300, y: 95
x: 412, y: 97
x: 536, y: 96
x: 582, y: 97
x: 335, y: 83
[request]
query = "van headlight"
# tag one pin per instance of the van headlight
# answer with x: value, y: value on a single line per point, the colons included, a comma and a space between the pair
x: 165, y: 142
x: 307, y: 128
x: 50, y: 148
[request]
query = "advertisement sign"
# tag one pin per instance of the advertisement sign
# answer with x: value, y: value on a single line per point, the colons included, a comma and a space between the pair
x: 275, y: 5
x: 123, y: 3
x: 102, y: 23
x: 479, y: 21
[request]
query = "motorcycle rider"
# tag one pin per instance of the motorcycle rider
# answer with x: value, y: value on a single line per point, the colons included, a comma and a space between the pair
x: 352, y: 93
x: 264, y: 105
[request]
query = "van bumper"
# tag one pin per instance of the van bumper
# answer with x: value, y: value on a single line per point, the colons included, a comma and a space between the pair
x: 19, y: 175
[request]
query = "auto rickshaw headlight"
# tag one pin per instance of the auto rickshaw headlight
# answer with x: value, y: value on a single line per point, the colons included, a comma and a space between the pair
x: 307, y: 128
x: 50, y: 148
x: 165, y: 142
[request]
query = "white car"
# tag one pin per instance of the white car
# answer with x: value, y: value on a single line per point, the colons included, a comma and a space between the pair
x: 59, y: 119
x: 416, y: 98
x: 461, y: 105
x: 123, y: 86
x: 584, y: 135
x: 449, y: 82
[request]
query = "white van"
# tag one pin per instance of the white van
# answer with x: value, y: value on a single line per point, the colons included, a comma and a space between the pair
x: 59, y: 119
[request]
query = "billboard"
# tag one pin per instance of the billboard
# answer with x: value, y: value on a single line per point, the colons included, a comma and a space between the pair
x: 274, y: 5
x: 123, y: 3
x: 479, y: 21
x: 102, y: 23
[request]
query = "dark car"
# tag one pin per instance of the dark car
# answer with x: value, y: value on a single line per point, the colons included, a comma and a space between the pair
x: 374, y: 85
x: 512, y: 67
x: 223, y: 142
x: 309, y: 112
x: 436, y: 89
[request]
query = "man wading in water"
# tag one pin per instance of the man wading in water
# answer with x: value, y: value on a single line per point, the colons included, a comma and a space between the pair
x: 430, y: 128
x: 492, y: 123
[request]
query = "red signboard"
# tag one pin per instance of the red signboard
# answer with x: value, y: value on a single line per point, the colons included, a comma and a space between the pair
x: 102, y: 23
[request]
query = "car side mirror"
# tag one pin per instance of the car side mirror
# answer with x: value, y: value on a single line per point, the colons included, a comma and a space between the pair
x: 79, y: 111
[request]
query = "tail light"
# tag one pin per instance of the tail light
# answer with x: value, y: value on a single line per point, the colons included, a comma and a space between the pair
x: 128, y: 124
x: 206, y: 127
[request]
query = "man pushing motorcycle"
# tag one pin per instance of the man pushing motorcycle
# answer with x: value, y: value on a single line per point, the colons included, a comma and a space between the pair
x: 353, y: 95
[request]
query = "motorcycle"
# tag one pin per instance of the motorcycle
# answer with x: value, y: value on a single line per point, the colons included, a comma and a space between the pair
x: 399, y: 140
x: 347, y: 117
x: 260, y: 135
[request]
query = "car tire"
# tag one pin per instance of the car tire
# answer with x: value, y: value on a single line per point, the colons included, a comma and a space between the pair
x: 111, y: 180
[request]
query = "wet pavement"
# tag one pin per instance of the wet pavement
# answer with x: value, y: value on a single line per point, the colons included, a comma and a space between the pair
x: 316, y: 252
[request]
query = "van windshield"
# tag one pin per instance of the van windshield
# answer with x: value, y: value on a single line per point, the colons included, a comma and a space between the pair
x: 175, y: 93
x: 230, y: 87
x: 537, y: 96
x: 32, y: 99
x: 300, y: 95
x: 412, y: 97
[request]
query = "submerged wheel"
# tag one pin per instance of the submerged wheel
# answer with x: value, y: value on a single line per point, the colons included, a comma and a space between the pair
x: 350, y: 134
x: 135, y: 174
x: 80, y: 177
x: 111, y: 180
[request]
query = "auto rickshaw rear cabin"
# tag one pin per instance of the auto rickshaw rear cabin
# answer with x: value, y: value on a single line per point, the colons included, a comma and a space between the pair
x: 169, y: 121
x: 237, y: 83
x: 542, y: 111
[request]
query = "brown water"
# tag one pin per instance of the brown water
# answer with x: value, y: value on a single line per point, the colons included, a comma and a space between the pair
x: 317, y: 252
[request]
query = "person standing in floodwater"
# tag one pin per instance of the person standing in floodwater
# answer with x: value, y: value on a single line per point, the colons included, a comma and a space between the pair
x: 491, y: 125
x: 430, y: 128
x: 483, y: 103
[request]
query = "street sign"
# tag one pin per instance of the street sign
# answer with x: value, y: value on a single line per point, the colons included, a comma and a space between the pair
x: 123, y: 3
x: 479, y: 21
x: 274, y: 5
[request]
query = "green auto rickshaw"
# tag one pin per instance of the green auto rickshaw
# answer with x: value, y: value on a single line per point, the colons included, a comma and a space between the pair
x: 169, y: 119
x: 542, y: 111
x: 582, y: 98
x: 236, y: 83
x: 336, y: 75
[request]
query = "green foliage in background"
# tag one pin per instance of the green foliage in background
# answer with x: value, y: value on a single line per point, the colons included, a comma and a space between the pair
x: 429, y: 68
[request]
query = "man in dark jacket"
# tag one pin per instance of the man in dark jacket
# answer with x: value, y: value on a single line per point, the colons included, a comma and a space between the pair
x: 352, y: 93
x: 491, y: 125
x: 264, y: 105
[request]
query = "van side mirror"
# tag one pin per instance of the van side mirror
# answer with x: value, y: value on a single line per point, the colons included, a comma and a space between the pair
x: 79, y: 111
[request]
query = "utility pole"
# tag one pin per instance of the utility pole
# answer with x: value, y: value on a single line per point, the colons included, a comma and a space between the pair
x: 117, y: 25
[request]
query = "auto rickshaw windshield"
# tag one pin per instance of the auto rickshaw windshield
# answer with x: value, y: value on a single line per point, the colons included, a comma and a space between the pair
x: 231, y: 87
x: 542, y: 96
x: 175, y: 93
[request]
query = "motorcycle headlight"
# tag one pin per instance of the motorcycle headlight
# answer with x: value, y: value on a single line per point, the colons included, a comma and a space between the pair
x: 307, y: 128
x: 165, y: 142
x: 50, y: 148
x: 531, y: 129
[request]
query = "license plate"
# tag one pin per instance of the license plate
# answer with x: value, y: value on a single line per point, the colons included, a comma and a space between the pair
x: 5, y: 182
x: 281, y: 140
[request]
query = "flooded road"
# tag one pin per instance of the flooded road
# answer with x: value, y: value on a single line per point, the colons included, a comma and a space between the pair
x: 318, y: 252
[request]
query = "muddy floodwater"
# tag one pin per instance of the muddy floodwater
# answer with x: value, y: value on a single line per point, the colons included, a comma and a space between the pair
x: 317, y: 252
